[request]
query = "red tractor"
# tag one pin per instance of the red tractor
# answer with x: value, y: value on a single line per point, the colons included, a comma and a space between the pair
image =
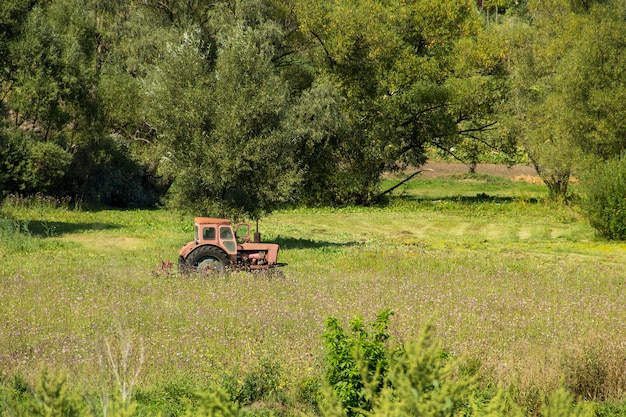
x: 217, y: 247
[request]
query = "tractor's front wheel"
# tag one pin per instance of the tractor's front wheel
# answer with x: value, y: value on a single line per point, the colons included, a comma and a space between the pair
x: 208, y: 260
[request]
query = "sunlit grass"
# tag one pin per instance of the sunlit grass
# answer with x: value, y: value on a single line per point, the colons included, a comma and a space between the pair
x: 466, y: 186
x: 519, y: 285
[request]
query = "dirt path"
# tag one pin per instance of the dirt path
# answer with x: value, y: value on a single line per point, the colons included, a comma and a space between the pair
x: 516, y: 172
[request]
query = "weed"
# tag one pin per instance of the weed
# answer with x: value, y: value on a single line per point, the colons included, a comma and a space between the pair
x: 165, y: 269
x: 15, y: 236
x: 36, y: 202
x: 123, y: 361
x: 597, y: 372
x: 261, y: 384
x: 48, y: 229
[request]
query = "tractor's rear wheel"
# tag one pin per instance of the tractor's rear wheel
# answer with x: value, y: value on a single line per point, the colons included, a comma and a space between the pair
x: 208, y: 260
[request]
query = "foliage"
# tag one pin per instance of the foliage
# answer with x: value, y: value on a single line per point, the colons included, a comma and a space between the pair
x: 104, y: 172
x: 16, y: 169
x: 221, y: 115
x: 123, y: 361
x: 593, y: 85
x: 51, y: 397
x: 420, y: 380
x: 238, y: 108
x: 604, y: 188
x: 565, y: 91
x: 318, y: 121
x: 29, y: 166
x: 53, y: 132
x: 396, y: 69
x: 214, y: 404
x: 561, y: 403
x: 595, y: 373
x: 367, y: 378
x: 357, y: 361
x: 259, y: 384
x: 15, y: 235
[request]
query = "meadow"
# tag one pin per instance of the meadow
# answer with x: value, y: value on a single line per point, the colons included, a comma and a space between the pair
x: 521, y: 289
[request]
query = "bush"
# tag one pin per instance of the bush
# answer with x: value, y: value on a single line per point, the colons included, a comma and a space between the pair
x: 596, y: 373
x: 259, y: 384
x: 105, y: 172
x: 50, y: 397
x: 101, y: 170
x: 50, y: 163
x: 604, y: 198
x: 357, y: 359
x: 416, y: 379
x: 16, y: 168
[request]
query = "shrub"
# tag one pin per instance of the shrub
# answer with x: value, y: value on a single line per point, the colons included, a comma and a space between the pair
x: 214, y: 404
x: 256, y: 385
x: 414, y: 380
x: 101, y: 170
x: 51, y: 397
x: 173, y: 396
x: 357, y: 359
x: 29, y: 166
x: 604, y: 198
x: 16, y: 170
x: 105, y: 172
x: 50, y: 163
x: 422, y: 381
x: 597, y: 373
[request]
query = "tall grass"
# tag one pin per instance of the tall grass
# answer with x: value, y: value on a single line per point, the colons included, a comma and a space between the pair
x: 524, y: 290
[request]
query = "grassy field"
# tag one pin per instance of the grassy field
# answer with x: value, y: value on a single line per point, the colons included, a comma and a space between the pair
x: 521, y: 288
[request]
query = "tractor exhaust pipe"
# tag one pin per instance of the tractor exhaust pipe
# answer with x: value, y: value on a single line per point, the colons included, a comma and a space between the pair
x: 257, y: 235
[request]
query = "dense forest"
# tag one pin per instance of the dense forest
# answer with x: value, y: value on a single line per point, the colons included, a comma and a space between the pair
x: 241, y: 106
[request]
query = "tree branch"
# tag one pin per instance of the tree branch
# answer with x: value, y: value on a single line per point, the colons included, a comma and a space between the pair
x: 417, y: 116
x: 330, y: 59
x: 478, y: 129
x: 407, y: 179
x: 449, y: 152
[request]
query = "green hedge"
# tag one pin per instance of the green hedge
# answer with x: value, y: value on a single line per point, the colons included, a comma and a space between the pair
x: 604, y: 198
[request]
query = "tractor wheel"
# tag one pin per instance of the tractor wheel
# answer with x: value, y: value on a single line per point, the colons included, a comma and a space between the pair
x: 208, y: 260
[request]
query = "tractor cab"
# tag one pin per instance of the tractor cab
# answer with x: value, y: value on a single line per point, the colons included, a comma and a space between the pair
x: 218, y: 232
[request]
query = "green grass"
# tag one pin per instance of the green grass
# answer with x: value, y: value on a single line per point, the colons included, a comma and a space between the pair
x: 524, y: 288
x: 466, y: 187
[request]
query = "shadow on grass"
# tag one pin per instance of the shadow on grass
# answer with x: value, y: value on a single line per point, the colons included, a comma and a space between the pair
x: 478, y: 198
x: 55, y: 229
x: 298, y: 243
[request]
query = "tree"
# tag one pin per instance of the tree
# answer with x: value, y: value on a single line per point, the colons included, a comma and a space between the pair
x: 54, y: 75
x: 565, y: 91
x: 317, y: 122
x: 12, y: 16
x: 62, y: 84
x: 595, y: 86
x: 47, y: 96
x: 395, y: 64
x: 222, y: 118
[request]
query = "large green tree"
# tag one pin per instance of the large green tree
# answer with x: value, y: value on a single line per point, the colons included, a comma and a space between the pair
x: 220, y: 109
x: 396, y: 63
x: 567, y: 85
x: 47, y: 95
x: 58, y: 109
